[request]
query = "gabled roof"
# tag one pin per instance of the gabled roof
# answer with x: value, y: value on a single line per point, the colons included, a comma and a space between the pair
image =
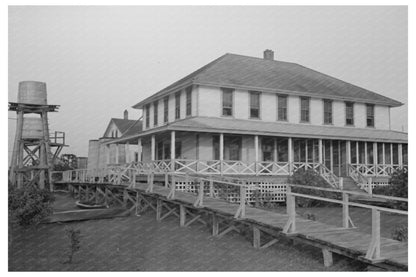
x: 250, y: 73
x: 124, y: 125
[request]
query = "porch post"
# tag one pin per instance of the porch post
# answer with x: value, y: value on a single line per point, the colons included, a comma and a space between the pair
x: 365, y: 153
x: 375, y: 158
x: 107, y: 148
x: 400, y: 148
x: 256, y: 152
x: 320, y: 158
x: 127, y: 152
x: 348, y: 150
x: 331, y: 150
x: 275, y: 150
x: 384, y: 154
x: 290, y: 155
x: 221, y: 151
x: 152, y: 148
x: 357, y: 152
x: 139, y: 149
x: 117, y: 154
x: 172, y: 150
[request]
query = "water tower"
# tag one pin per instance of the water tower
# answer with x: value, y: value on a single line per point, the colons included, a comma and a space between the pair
x: 34, y: 149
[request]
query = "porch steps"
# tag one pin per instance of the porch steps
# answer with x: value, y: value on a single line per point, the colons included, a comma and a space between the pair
x: 351, y: 185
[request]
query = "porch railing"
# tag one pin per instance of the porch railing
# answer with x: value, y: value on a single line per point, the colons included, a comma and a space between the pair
x: 382, y: 170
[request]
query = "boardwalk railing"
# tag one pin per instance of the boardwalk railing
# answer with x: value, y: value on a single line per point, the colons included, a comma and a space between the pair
x: 373, y: 251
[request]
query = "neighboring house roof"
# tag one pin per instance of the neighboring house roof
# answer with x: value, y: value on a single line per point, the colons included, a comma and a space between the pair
x: 124, y: 125
x: 250, y: 73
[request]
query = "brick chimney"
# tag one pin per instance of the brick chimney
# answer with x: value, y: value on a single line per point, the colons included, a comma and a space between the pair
x: 126, y: 114
x: 268, y: 55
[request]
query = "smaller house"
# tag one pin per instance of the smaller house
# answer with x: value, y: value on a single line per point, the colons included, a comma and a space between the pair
x: 100, y: 155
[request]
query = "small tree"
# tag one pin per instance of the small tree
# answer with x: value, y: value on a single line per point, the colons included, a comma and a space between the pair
x: 29, y: 205
x: 74, y: 242
x: 397, y: 188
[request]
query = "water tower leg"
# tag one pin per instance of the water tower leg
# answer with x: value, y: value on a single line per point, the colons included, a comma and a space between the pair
x: 42, y: 164
x: 20, y: 159
x: 16, y: 147
x: 48, y: 153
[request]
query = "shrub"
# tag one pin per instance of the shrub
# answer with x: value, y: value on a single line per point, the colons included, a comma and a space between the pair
x: 311, y: 178
x: 400, y: 233
x: 74, y: 242
x: 29, y: 205
x: 397, y: 188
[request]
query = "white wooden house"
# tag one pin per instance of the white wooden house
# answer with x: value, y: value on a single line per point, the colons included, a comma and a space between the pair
x: 242, y: 115
x: 100, y: 155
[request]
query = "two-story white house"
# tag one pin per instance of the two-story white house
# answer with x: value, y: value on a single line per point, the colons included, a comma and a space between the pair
x: 242, y: 115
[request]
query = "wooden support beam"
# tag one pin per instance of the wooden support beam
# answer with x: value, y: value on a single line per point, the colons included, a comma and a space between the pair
x: 256, y: 237
x: 327, y: 255
x: 158, y: 209
x: 199, y: 202
x: 182, y: 215
x: 227, y: 230
x: 215, y: 225
x: 290, y: 226
x: 268, y: 244
x: 373, y: 252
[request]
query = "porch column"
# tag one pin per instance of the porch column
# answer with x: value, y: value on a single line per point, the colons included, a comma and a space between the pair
x: 365, y: 153
x: 256, y: 147
x: 375, y: 158
x: 221, y: 151
x: 331, y: 150
x: 384, y: 154
x: 117, y: 154
x: 400, y: 148
x: 320, y: 158
x: 107, y: 150
x: 348, y: 151
x: 290, y: 155
x: 152, y: 147
x: 139, y: 150
x: 172, y: 150
x: 127, y: 152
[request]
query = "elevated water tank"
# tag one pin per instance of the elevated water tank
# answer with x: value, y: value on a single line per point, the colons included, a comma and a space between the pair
x: 32, y: 128
x: 32, y: 92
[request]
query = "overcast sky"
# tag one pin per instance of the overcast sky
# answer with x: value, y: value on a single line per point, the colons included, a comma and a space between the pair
x: 99, y: 61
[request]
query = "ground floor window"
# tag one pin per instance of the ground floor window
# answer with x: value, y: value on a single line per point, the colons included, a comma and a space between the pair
x: 163, y: 150
x: 282, y: 150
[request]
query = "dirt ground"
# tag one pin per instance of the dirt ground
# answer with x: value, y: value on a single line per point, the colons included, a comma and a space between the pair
x: 143, y: 244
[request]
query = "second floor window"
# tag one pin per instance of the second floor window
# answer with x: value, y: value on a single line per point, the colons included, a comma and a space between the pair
x: 227, y: 102
x: 304, y: 109
x: 166, y: 109
x: 178, y: 105
x: 370, y: 115
x: 327, y: 111
x: 147, y: 108
x: 188, y: 101
x: 155, y: 113
x: 254, y: 104
x: 282, y: 107
x: 349, y: 113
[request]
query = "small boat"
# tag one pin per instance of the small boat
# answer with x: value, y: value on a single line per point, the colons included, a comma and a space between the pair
x: 91, y: 205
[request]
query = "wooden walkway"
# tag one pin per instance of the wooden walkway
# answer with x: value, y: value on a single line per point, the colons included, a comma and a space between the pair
x: 331, y: 239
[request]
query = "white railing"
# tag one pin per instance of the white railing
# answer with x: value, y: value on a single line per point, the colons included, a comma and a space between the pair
x: 322, y: 170
x: 385, y: 170
x: 213, y: 167
x: 373, y: 252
